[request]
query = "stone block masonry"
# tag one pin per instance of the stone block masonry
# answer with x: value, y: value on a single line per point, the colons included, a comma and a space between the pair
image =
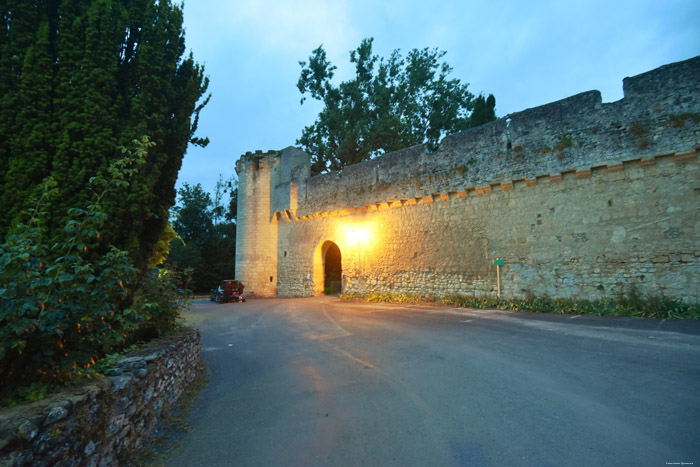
x: 588, y: 233
x: 95, y: 424
x: 578, y: 197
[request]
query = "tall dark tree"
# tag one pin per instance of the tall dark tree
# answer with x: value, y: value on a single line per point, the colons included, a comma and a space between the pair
x: 389, y: 104
x: 78, y: 80
x: 206, y: 243
x: 194, y: 216
x: 484, y: 110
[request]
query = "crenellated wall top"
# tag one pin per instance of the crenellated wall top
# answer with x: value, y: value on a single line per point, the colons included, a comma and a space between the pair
x: 659, y: 114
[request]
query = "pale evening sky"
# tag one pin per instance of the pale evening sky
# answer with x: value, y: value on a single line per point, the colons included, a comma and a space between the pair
x: 525, y: 53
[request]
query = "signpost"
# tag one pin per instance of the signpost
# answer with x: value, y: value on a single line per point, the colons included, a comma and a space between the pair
x: 498, y: 263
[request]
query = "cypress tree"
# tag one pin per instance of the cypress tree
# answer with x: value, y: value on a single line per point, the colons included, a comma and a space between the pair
x: 81, y: 78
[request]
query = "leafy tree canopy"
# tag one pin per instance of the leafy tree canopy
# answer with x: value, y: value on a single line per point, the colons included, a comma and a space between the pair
x: 390, y: 104
x: 79, y: 78
x: 194, y: 215
x: 206, y: 242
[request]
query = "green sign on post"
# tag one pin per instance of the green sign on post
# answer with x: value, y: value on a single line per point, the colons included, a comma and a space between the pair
x: 498, y: 262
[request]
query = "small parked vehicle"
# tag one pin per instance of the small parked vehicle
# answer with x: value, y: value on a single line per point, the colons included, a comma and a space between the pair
x: 227, y: 291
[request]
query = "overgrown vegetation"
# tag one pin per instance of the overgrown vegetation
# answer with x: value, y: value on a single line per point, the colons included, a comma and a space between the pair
x: 564, y: 142
x: 631, y: 304
x: 63, y: 307
x: 84, y: 222
x: 385, y: 297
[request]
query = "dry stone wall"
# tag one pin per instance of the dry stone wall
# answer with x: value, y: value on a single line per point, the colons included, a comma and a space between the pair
x: 579, y: 198
x: 93, y: 425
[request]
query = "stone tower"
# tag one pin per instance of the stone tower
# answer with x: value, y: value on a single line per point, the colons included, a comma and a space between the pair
x: 267, y: 183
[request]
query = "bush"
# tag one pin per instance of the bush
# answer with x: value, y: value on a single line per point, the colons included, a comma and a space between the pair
x: 64, y: 306
x: 59, y: 308
x: 162, y: 295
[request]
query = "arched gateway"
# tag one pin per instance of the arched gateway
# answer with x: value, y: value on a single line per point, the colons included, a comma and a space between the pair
x: 328, y: 269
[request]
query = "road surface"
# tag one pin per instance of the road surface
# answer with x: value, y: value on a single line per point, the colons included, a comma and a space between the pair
x: 320, y: 382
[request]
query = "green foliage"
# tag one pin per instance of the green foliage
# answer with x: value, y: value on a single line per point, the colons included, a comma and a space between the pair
x: 110, y: 360
x: 397, y: 298
x: 389, y: 105
x: 631, y: 304
x: 162, y: 247
x: 162, y: 295
x: 386, y: 297
x: 206, y: 244
x: 194, y: 217
x: 79, y: 79
x: 220, y: 211
x: 564, y: 142
x: 63, y: 302
x: 484, y: 110
x: 232, y: 213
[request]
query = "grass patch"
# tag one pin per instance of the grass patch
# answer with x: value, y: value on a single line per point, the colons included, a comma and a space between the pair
x: 565, y: 142
x: 631, y: 304
x: 386, y: 297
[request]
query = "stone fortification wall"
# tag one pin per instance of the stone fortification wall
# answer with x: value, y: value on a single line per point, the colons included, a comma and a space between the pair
x: 580, y: 198
x: 584, y: 233
x: 575, y: 133
x: 93, y: 425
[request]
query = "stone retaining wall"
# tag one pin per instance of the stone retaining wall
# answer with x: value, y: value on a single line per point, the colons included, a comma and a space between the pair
x: 94, y: 424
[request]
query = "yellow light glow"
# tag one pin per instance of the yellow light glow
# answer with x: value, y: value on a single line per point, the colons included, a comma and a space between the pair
x: 357, y: 236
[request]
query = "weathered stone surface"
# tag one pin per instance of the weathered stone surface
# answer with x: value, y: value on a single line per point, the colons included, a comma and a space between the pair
x: 95, y: 423
x: 597, y: 198
x: 27, y: 430
x: 57, y: 412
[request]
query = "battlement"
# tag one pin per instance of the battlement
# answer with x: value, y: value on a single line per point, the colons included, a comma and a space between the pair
x: 252, y: 161
x: 495, y: 187
x: 660, y: 113
x: 666, y: 81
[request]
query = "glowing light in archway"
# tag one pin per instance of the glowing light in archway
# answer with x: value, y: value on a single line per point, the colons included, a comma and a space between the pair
x: 357, y: 236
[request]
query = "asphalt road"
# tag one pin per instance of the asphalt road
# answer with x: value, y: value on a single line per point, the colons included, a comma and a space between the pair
x: 316, y: 381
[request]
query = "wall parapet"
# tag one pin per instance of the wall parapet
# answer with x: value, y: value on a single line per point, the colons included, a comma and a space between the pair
x: 96, y: 423
x: 491, y: 187
x: 658, y: 114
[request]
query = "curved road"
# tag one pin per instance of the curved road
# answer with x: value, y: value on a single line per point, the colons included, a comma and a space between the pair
x: 316, y: 381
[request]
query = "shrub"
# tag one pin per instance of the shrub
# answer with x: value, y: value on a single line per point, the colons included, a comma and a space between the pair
x: 162, y: 295
x: 59, y: 308
x: 64, y: 306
